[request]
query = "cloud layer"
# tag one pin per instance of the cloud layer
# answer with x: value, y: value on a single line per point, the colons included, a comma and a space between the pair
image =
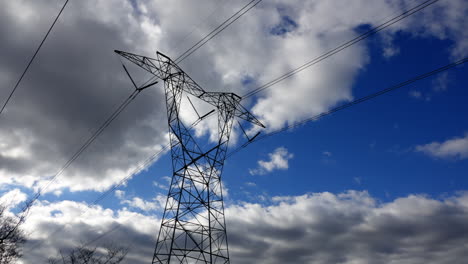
x: 350, y: 227
x: 76, y: 81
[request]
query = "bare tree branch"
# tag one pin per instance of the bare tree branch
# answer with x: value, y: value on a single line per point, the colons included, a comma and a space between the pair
x: 11, y: 235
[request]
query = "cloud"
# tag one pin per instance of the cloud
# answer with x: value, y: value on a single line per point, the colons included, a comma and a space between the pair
x: 141, y: 204
x: 120, y: 194
x: 279, y: 160
x: 350, y: 227
x: 439, y: 84
x: 426, y: 24
x: 64, y: 225
x: 455, y: 148
x: 72, y: 87
x: 157, y: 203
x: 165, y: 185
x: 76, y: 81
x: 12, y: 198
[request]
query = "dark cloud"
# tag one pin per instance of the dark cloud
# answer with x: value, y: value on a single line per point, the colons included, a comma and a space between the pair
x: 346, y: 228
x: 73, y: 86
x: 77, y: 81
x: 350, y: 228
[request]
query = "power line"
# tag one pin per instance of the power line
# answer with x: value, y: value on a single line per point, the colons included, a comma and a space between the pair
x: 218, y: 30
x: 342, y: 46
x: 128, y: 100
x: 213, y: 11
x: 89, y: 141
x: 206, y: 39
x: 272, y: 133
x: 314, y: 118
x: 98, y: 132
x: 33, y: 57
x: 101, y: 197
x: 355, y: 102
x: 195, y: 47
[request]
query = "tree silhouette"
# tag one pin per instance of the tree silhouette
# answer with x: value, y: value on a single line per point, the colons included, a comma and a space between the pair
x: 11, y: 235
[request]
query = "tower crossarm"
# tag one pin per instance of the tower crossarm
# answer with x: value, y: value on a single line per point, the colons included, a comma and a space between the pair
x: 164, y: 68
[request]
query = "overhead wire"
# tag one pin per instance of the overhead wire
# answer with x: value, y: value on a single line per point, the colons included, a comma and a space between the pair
x: 352, y: 103
x: 183, y: 56
x: 32, y: 58
x: 231, y: 20
x: 275, y: 132
x: 88, y: 142
x: 217, y: 30
x: 317, y: 117
x: 246, y: 8
x: 91, y: 139
x: 195, y: 47
x: 213, y: 11
x: 343, y: 46
x: 101, y: 197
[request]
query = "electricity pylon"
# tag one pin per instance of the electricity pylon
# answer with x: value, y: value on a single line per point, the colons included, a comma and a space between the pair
x: 193, y: 228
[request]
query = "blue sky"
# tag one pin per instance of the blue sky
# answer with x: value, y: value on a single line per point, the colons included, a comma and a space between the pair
x: 400, y: 150
x: 367, y: 147
x: 370, y: 147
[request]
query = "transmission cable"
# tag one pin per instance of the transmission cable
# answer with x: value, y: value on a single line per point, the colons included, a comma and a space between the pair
x: 89, y: 141
x: 354, y: 102
x: 223, y: 26
x: 217, y: 30
x: 342, y: 47
x: 181, y: 40
x: 272, y: 133
x: 321, y: 115
x: 33, y: 57
x: 101, y: 197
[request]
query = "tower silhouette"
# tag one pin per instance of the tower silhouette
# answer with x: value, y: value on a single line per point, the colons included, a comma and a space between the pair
x: 193, y: 227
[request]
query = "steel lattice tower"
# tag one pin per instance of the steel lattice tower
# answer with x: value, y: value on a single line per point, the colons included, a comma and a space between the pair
x: 193, y: 228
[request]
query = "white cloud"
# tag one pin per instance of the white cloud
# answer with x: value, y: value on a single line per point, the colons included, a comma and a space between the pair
x: 156, y: 203
x: 52, y: 227
x: 279, y: 160
x: 350, y: 227
x: 165, y: 185
x: 74, y: 84
x: 12, y: 198
x: 141, y: 204
x: 120, y: 194
x: 439, y: 84
x: 45, y: 123
x: 455, y: 148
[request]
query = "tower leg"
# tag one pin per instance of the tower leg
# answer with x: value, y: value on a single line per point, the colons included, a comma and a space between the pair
x: 193, y: 228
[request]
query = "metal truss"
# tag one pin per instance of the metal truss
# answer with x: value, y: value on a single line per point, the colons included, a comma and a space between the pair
x: 193, y: 228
